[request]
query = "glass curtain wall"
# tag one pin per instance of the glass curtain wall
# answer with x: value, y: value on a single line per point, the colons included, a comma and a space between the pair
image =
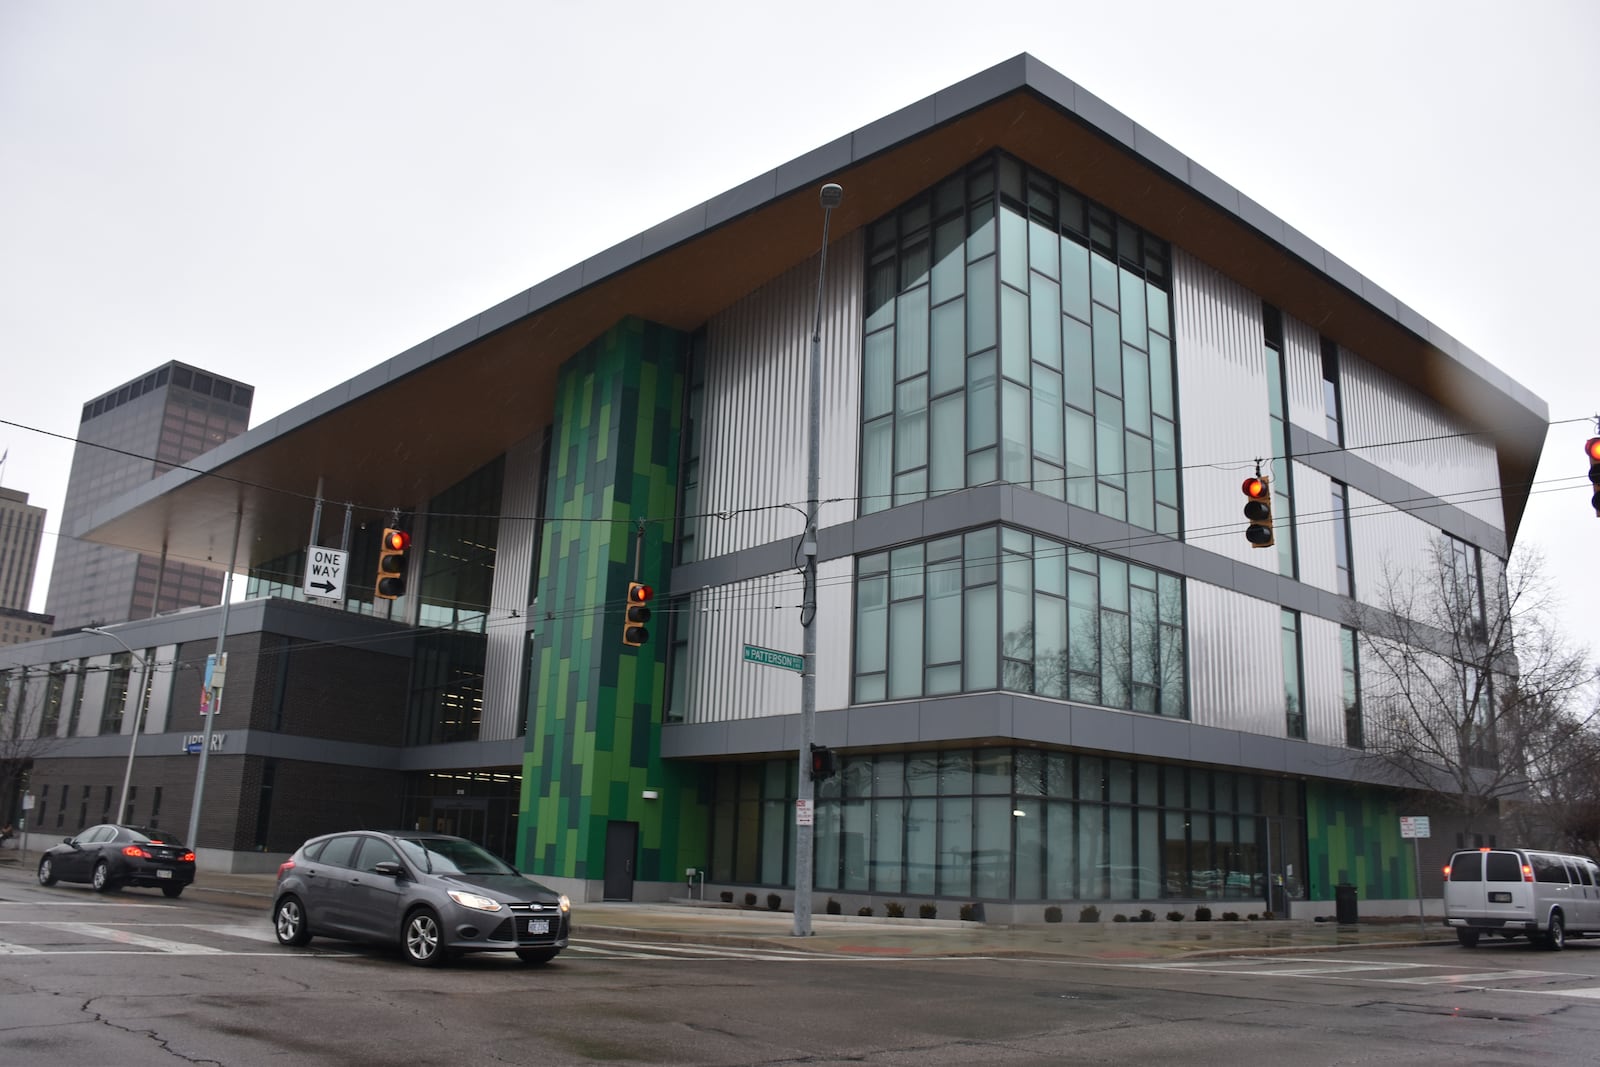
x: 998, y: 608
x: 1014, y: 824
x: 1017, y: 332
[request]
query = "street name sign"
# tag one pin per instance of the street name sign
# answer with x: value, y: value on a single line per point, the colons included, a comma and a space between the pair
x: 773, y: 658
x: 325, y: 572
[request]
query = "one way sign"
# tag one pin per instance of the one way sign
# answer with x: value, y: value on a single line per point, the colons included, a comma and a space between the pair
x: 325, y: 573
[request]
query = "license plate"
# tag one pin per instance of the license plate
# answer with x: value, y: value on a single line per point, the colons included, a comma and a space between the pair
x: 538, y: 926
x: 163, y: 874
x: 1499, y: 898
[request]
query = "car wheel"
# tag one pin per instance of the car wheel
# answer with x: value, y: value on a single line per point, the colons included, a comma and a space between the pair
x: 420, y: 938
x: 1555, y: 939
x: 102, y: 878
x: 289, y: 922
x: 47, y: 872
x: 1468, y: 938
x: 537, y: 955
x: 172, y: 890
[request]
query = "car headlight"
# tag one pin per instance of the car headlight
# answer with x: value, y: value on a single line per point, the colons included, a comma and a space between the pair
x: 474, y: 901
x: 566, y: 905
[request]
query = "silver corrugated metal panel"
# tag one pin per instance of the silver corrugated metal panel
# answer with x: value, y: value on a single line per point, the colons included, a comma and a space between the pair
x: 1222, y: 391
x: 753, y: 437
x: 503, y: 711
x: 1387, y: 545
x: 1418, y: 440
x: 765, y: 612
x: 1235, y: 661
x: 1322, y: 663
x: 1302, y: 357
x: 1313, y: 527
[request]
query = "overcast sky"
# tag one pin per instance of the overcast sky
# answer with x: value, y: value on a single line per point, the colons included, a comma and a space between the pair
x: 287, y: 193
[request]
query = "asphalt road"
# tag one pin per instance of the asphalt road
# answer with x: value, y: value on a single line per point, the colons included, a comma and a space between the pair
x: 135, y: 979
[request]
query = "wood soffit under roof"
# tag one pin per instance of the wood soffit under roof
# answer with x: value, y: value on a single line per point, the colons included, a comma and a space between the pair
x: 389, y: 449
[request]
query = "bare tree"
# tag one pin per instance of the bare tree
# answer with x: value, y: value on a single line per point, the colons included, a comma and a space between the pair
x: 1470, y: 690
x: 30, y: 707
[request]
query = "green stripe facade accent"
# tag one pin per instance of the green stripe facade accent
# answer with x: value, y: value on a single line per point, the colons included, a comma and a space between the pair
x: 595, y: 705
x: 1353, y: 836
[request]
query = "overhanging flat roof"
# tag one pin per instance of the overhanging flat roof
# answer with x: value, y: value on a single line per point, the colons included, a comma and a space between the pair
x: 372, y: 443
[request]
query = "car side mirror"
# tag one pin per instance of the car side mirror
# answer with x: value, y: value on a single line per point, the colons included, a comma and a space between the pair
x: 73, y: 841
x: 389, y: 868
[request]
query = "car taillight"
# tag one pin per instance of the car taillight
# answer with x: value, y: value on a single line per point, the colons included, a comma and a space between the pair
x: 284, y: 868
x: 1447, y: 872
x: 188, y: 857
x: 1527, y: 873
x: 135, y: 851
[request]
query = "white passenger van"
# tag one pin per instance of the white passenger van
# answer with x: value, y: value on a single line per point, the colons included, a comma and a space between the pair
x: 1511, y: 891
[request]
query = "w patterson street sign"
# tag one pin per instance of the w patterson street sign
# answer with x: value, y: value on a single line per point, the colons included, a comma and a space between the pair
x: 768, y: 657
x: 325, y: 572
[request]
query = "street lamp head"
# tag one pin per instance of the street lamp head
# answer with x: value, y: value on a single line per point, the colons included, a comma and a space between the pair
x: 831, y: 195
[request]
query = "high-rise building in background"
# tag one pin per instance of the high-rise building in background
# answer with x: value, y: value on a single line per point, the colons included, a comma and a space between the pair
x: 21, y: 529
x: 128, y: 436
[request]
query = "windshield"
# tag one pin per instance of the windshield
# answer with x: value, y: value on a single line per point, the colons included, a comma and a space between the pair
x: 151, y: 835
x: 451, y: 855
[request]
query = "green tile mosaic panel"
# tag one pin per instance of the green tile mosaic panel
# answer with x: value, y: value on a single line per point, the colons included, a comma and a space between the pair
x: 1353, y: 836
x: 595, y: 706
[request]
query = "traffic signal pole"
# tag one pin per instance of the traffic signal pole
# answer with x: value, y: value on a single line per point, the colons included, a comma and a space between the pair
x: 805, y: 804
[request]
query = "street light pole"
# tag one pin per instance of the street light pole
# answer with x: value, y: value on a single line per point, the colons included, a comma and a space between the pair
x: 830, y: 196
x: 138, y: 714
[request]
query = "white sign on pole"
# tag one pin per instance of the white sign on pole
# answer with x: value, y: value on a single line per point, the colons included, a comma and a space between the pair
x: 324, y: 572
x: 802, y: 812
x: 1415, y: 826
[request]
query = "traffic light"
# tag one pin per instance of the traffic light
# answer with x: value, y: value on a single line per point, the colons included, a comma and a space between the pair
x: 1592, y: 450
x: 1258, y: 509
x: 392, y: 564
x: 823, y: 763
x: 634, y: 632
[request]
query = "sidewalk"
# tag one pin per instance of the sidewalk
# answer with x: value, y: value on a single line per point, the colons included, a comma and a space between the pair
x: 692, y: 922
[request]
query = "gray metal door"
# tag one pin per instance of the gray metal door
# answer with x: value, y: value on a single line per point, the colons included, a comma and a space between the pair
x: 622, y: 845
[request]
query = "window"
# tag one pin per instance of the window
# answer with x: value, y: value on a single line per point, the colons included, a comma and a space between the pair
x: 1333, y: 422
x: 1002, y: 608
x: 340, y: 852
x: 1278, y: 432
x: 1016, y: 332
x: 116, y: 694
x: 1354, y: 735
x: 1293, y: 680
x: 1464, y: 576
x: 1343, y: 581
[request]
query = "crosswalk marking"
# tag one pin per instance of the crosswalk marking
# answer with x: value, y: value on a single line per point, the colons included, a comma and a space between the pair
x: 1482, y: 976
x: 138, y: 940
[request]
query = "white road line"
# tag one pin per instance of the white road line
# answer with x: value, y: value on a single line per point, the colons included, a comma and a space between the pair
x: 1482, y: 976
x: 137, y: 940
x: 8, y: 949
x: 262, y: 932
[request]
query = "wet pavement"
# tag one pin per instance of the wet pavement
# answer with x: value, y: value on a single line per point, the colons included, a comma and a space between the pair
x: 701, y: 923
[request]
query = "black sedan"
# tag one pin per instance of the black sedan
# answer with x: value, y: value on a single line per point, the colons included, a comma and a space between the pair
x: 432, y: 895
x: 109, y: 857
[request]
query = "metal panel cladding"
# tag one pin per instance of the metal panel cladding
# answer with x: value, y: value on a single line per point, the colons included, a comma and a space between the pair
x: 1412, y: 437
x: 1323, y: 664
x: 1387, y: 546
x: 1222, y: 390
x: 507, y: 645
x: 753, y: 437
x: 1302, y: 358
x: 765, y: 612
x: 1235, y: 661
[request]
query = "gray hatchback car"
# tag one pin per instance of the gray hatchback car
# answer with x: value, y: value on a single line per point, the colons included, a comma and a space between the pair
x: 433, y: 895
